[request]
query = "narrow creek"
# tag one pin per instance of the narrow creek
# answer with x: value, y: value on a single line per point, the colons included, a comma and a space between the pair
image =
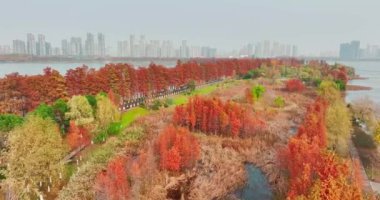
x: 257, y: 186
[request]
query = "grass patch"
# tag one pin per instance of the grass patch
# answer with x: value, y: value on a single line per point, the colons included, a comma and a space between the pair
x: 131, y: 115
x: 180, y: 99
x: 205, y: 90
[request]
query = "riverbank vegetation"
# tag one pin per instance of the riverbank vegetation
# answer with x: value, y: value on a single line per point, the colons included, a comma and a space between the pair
x: 194, y: 128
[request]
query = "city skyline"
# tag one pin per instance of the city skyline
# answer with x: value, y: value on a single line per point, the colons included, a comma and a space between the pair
x: 315, y: 26
x: 139, y: 46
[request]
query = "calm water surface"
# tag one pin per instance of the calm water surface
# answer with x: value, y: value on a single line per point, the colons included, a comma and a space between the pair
x: 369, y: 70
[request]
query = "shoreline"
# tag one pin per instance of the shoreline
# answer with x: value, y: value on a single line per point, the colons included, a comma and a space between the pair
x: 357, y: 88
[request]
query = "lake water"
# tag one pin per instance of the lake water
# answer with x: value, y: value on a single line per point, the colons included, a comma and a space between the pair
x: 257, y: 186
x: 369, y: 70
x: 62, y: 67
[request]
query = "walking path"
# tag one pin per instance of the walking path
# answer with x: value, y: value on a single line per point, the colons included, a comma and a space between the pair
x: 367, y: 187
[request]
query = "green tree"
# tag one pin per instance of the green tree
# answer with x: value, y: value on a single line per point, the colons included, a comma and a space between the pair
x: 80, y: 110
x: 339, y: 127
x: 258, y: 91
x: 191, y: 85
x: 9, y: 121
x: 44, y: 111
x: 35, y: 151
x: 106, y: 112
x: 60, y: 108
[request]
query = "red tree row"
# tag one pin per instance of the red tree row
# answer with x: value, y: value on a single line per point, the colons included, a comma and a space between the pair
x: 23, y: 93
x: 311, y: 168
x: 212, y: 116
x: 178, y: 149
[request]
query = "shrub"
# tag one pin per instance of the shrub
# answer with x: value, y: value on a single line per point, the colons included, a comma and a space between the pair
x: 156, y: 105
x: 340, y: 85
x: 9, y: 121
x: 279, y: 102
x: 258, y: 91
x: 168, y: 102
x: 294, y: 85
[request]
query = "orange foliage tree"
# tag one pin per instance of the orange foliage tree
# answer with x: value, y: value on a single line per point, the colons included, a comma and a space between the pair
x: 315, y: 173
x: 77, y: 136
x: 112, y: 183
x: 178, y: 149
x: 212, y: 116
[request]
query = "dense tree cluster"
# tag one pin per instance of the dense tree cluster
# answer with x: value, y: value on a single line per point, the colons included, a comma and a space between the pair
x: 23, y: 93
x: 112, y: 183
x: 294, y: 85
x: 212, y: 116
x: 314, y: 172
x: 178, y: 149
x: 35, y: 151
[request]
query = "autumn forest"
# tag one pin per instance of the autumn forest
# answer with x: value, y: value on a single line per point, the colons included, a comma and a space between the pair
x: 183, y: 132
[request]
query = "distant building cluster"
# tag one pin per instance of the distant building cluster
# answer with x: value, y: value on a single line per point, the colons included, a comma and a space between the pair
x: 140, y: 47
x: 268, y: 49
x: 352, y: 51
x: 94, y: 46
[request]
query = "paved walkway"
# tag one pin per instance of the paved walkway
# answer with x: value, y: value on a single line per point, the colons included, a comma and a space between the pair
x: 375, y: 187
x: 367, y: 187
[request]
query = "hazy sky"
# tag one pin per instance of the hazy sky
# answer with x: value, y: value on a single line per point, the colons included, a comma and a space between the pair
x: 314, y: 25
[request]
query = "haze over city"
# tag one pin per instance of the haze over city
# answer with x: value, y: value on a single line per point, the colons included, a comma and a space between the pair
x: 317, y: 28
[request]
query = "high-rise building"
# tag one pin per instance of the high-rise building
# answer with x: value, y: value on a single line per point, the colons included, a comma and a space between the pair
x: 142, y: 46
x: 31, y: 44
x: 101, y: 45
x: 294, y: 51
x: 266, y: 49
x: 350, y: 50
x: 56, y: 51
x: 41, y: 46
x: 208, y: 52
x: 65, y: 48
x: 89, y: 45
x: 184, y: 50
x: 132, y: 44
x: 19, y: 47
x: 167, y: 49
x: 123, y: 48
x: 48, y: 49
x: 76, y: 46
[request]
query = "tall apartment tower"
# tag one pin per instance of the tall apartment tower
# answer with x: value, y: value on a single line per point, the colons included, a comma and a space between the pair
x: 18, y: 47
x: 31, y: 44
x: 65, y: 47
x: 101, y: 45
x: 132, y: 44
x: 89, y: 45
x: 184, y: 49
x: 142, y: 46
x: 41, y: 45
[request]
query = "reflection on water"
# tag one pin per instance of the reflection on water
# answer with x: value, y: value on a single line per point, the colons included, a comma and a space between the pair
x: 257, y: 187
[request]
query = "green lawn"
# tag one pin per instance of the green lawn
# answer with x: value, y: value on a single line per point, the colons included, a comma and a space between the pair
x: 205, y: 90
x: 132, y: 114
x: 182, y: 98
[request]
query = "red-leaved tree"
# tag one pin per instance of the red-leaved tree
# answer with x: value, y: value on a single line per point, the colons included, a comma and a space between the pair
x: 112, y: 183
x: 177, y: 148
x: 294, y: 85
